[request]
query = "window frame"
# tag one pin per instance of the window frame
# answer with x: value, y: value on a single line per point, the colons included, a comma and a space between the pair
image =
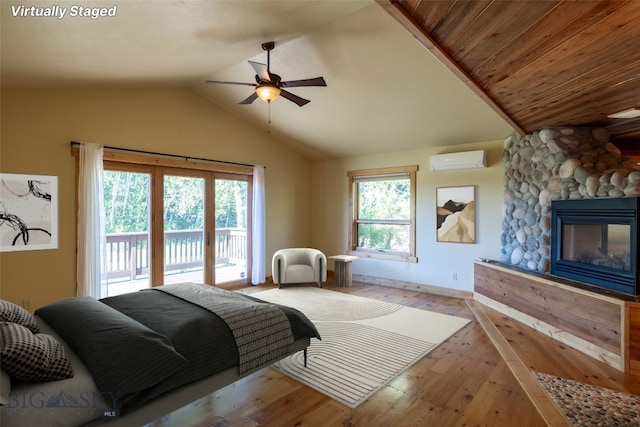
x: 157, y: 165
x: 354, y: 220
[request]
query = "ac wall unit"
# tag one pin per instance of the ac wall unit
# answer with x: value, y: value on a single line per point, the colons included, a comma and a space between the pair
x: 464, y: 160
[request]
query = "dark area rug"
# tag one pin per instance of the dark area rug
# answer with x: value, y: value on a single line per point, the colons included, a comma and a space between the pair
x: 589, y: 405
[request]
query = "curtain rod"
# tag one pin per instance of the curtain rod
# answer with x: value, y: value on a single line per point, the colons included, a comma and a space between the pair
x: 186, y: 158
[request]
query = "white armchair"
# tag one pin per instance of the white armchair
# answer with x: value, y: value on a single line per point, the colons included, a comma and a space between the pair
x: 299, y: 265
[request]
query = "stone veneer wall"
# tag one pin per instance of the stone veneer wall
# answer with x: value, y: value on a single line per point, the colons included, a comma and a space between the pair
x: 554, y: 164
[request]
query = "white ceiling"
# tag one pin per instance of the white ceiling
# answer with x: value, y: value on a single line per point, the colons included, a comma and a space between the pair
x: 385, y: 92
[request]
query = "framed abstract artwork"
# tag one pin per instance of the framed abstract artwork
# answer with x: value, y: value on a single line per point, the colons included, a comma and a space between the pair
x: 28, y: 212
x: 456, y: 214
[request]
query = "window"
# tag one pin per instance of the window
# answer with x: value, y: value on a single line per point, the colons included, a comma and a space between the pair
x: 382, y: 209
x: 170, y: 220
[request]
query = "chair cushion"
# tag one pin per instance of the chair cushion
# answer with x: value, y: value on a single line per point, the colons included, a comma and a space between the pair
x: 299, y: 273
x: 298, y: 257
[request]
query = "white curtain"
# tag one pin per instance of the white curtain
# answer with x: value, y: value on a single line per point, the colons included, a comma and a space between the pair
x: 91, y: 265
x: 258, y: 271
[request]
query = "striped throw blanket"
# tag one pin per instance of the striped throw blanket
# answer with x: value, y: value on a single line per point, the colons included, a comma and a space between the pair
x: 262, y: 331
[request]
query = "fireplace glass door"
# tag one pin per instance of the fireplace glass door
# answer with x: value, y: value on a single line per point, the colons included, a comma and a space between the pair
x: 601, y: 245
x: 595, y: 241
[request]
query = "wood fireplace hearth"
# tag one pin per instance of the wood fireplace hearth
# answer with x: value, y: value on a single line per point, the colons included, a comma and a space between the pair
x: 599, y: 322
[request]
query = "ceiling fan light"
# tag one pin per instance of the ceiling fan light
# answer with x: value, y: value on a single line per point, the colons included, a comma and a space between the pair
x: 267, y: 91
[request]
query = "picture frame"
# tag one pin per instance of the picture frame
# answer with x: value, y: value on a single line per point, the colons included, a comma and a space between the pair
x: 456, y: 214
x: 28, y: 212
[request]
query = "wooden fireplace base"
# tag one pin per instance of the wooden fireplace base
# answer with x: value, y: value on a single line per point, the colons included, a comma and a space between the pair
x: 602, y: 326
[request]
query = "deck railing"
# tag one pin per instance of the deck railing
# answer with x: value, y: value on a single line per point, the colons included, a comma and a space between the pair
x: 128, y: 253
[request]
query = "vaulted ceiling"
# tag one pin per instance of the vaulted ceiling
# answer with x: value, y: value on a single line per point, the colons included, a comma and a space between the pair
x: 384, y: 91
x: 539, y: 63
x: 508, y: 64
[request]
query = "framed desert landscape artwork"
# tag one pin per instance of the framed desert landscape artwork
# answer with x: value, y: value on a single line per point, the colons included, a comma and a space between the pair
x: 456, y: 214
x: 28, y: 212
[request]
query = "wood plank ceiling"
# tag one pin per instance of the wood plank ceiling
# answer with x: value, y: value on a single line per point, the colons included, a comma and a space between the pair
x: 539, y: 63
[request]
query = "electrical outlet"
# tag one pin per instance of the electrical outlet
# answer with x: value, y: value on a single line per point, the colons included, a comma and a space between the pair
x: 26, y: 304
x: 454, y: 276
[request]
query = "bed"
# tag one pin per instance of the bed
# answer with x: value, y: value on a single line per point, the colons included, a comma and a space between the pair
x: 136, y: 357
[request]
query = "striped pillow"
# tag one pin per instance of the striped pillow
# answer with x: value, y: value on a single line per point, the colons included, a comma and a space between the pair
x: 13, y: 313
x: 31, y: 357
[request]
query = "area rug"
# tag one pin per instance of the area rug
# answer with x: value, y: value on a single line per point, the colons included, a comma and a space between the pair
x: 365, y: 342
x: 588, y: 405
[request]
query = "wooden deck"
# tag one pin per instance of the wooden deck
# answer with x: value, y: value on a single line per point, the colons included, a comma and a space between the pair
x: 223, y: 275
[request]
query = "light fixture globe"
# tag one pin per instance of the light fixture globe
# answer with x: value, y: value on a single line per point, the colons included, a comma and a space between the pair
x: 267, y: 91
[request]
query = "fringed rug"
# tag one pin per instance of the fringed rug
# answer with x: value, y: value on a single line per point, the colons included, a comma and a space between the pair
x: 365, y: 343
x: 587, y: 405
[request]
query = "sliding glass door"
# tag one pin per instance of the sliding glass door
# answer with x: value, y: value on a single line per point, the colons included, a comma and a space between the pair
x: 169, y: 225
x: 127, y: 205
x: 232, y: 237
x: 184, y: 228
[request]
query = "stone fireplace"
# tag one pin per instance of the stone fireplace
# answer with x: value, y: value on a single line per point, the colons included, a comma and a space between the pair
x: 556, y: 164
x: 561, y: 167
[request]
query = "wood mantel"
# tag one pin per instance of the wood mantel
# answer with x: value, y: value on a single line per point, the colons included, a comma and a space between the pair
x: 602, y: 326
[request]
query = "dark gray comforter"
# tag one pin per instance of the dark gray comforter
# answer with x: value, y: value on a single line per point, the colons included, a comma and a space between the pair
x: 140, y: 345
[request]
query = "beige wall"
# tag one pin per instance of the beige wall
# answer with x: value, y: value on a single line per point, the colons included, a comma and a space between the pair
x: 37, y: 125
x: 438, y: 262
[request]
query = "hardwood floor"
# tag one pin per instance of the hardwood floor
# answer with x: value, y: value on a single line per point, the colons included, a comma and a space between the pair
x: 463, y: 382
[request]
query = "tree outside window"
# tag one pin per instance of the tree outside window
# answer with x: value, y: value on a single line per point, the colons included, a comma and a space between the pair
x: 383, y: 212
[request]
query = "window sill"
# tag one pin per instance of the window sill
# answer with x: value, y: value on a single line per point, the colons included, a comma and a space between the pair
x: 382, y: 255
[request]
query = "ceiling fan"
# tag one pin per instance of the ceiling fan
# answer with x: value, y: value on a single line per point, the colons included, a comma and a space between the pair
x: 269, y: 85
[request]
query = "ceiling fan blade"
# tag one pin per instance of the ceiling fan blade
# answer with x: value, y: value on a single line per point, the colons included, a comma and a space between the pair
x: 317, y: 81
x: 250, y: 99
x: 261, y: 70
x: 230, y: 83
x: 294, y: 98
